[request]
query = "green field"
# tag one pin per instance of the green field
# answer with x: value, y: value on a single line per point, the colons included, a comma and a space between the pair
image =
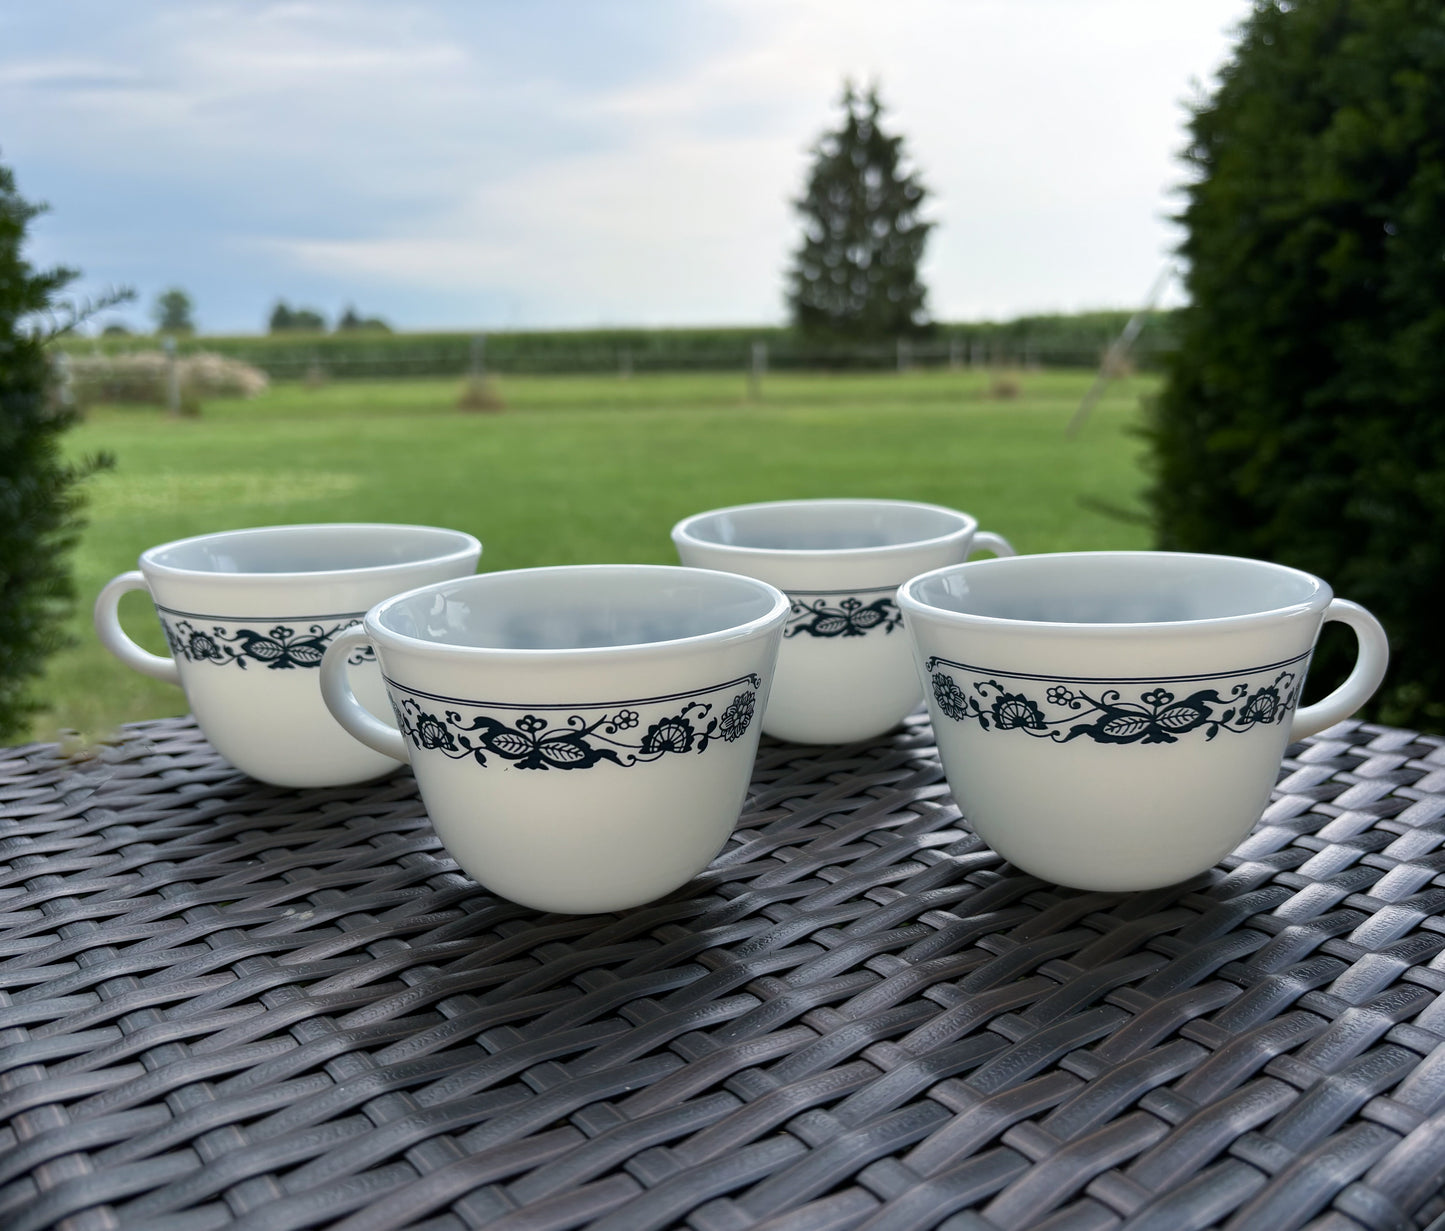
x: 579, y: 469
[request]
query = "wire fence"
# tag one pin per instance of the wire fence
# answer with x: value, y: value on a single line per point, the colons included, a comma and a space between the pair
x: 625, y: 353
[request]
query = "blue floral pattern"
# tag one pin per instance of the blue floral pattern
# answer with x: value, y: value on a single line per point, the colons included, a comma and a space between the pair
x: 1118, y: 712
x: 842, y: 615
x: 282, y: 647
x: 576, y: 737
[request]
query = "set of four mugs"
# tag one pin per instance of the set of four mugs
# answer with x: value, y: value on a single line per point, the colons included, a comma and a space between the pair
x: 583, y: 736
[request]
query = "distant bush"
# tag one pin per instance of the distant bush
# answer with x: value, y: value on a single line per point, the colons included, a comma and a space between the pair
x: 142, y: 378
x: 480, y: 394
x: 175, y: 312
x: 286, y: 319
x: 352, y: 321
x: 1302, y: 416
x: 1004, y: 387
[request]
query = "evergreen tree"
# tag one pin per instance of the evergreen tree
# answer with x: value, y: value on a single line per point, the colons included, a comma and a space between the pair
x: 280, y: 319
x: 174, y: 312
x: 1302, y: 416
x: 855, y: 277
x: 285, y: 319
x: 353, y: 322
x: 39, y: 496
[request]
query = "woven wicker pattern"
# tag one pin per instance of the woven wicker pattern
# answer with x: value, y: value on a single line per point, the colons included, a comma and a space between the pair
x: 227, y: 1005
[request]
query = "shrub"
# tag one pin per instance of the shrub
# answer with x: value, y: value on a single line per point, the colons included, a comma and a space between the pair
x: 1004, y: 387
x: 216, y: 376
x: 142, y: 378
x: 479, y: 394
x: 1301, y: 416
x: 39, y: 495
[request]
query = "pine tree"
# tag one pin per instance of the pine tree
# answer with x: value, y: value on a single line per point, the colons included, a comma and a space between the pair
x: 39, y: 498
x: 855, y: 277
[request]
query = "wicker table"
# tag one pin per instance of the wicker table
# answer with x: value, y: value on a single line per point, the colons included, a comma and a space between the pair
x: 229, y: 1005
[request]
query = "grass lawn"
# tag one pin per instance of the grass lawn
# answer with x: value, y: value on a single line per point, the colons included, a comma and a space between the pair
x: 577, y: 470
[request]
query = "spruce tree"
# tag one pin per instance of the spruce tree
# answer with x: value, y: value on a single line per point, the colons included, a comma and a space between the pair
x: 855, y: 277
x: 1301, y: 420
x: 39, y: 497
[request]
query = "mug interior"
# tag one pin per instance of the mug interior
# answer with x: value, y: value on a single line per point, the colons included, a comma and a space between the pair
x: 1117, y: 588
x: 825, y: 525
x: 308, y: 549
x: 583, y: 607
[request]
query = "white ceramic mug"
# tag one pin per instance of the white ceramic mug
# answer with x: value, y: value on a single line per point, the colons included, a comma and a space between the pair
x: 1116, y: 720
x: 583, y: 736
x: 845, y: 671
x: 248, y: 614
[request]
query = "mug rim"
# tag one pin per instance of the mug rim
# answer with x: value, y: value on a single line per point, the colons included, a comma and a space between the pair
x: 915, y: 606
x: 776, y: 615
x: 683, y: 530
x: 465, y: 545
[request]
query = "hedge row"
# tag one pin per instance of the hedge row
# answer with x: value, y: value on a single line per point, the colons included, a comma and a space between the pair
x: 1043, y: 341
x: 1303, y: 416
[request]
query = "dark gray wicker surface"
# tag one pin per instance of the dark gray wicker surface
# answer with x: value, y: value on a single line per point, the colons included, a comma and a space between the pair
x: 228, y: 1005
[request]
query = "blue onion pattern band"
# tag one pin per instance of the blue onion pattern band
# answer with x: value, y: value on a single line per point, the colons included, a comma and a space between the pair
x: 280, y: 643
x: 562, y: 736
x: 842, y: 613
x: 1117, y: 711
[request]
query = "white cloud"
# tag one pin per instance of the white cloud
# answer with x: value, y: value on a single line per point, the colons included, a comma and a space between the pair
x: 646, y: 234
x: 492, y: 154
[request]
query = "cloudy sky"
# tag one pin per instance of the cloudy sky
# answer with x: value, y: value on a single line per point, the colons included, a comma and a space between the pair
x: 583, y: 162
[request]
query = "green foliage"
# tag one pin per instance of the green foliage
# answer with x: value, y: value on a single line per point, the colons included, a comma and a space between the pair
x: 1302, y: 418
x: 39, y: 500
x: 1072, y: 340
x: 174, y: 312
x: 353, y: 322
x: 855, y: 277
x: 285, y: 319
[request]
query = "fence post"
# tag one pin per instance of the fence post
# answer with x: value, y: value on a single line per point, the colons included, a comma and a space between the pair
x: 905, y: 354
x: 479, y: 356
x: 758, y: 366
x: 955, y: 354
x: 624, y: 362
x: 173, y: 379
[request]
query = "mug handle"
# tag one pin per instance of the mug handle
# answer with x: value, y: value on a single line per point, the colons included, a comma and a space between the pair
x: 113, y: 637
x: 1370, y: 664
x: 358, y: 721
x: 989, y: 541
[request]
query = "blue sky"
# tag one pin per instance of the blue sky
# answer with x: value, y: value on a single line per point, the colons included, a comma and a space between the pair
x: 586, y: 162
